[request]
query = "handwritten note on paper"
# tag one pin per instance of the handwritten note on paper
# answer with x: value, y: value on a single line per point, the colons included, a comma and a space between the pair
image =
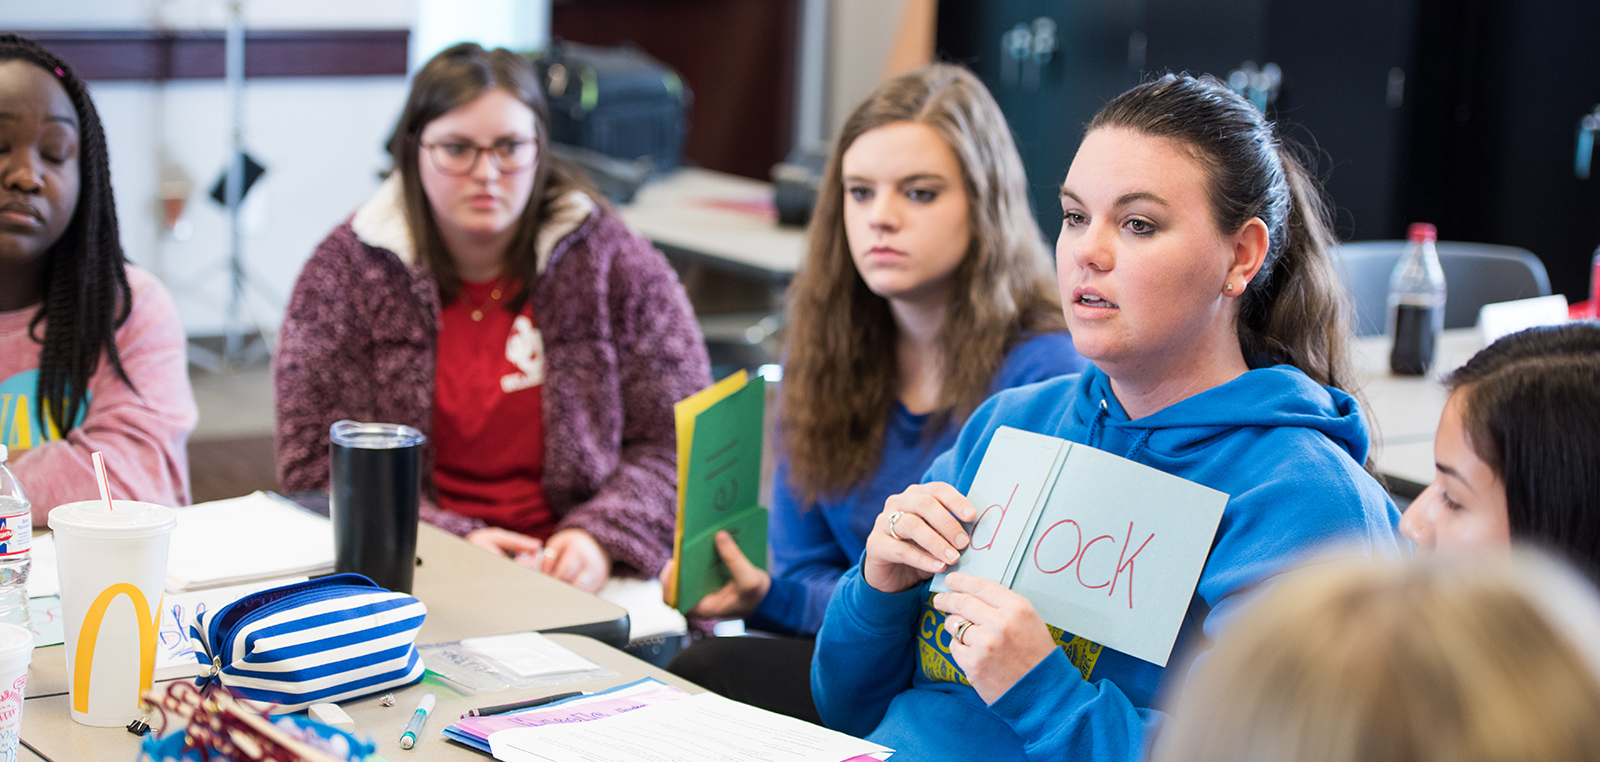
x: 174, y: 651
x: 626, y: 699
x: 702, y: 728
x: 1103, y: 547
x: 44, y: 615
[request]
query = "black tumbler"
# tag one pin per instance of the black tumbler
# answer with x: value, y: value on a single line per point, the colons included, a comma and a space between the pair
x: 375, y: 474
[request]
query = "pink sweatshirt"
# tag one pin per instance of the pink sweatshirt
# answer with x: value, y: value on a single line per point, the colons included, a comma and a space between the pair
x: 142, y: 434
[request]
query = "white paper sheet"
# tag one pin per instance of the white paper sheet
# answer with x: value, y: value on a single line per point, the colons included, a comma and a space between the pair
x: 529, y: 654
x: 42, y: 580
x: 648, y: 616
x: 704, y: 728
x: 246, y: 539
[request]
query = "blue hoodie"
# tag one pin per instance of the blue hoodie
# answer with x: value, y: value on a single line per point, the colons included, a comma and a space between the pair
x: 814, y: 544
x: 1286, y: 450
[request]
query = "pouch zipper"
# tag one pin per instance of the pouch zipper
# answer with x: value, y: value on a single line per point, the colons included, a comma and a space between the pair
x: 312, y: 592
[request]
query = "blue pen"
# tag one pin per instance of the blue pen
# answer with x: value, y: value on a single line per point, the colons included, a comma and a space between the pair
x: 408, y: 738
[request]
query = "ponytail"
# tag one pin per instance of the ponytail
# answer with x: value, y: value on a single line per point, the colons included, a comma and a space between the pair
x: 1302, y: 316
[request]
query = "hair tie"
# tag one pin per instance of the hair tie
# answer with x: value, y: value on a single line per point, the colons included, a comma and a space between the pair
x: 60, y: 73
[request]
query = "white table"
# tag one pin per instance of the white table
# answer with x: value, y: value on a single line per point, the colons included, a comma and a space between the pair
x: 1404, y: 410
x: 722, y: 219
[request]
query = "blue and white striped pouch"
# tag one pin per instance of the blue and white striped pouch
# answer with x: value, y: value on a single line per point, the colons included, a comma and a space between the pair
x: 328, y: 639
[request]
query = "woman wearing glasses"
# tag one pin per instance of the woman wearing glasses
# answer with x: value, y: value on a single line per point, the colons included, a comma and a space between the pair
x: 486, y: 297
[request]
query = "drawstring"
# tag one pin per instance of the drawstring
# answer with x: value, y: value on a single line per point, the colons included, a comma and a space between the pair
x: 1096, y: 424
x: 1138, y: 444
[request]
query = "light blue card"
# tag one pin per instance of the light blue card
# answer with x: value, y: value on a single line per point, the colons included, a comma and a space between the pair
x: 1014, y: 472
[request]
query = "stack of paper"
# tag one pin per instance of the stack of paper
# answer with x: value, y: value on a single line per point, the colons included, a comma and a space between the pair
x: 475, y: 731
x: 701, y: 728
x: 651, y: 721
x: 258, y: 537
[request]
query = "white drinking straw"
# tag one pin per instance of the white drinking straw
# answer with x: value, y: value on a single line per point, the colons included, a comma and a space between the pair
x: 100, y: 474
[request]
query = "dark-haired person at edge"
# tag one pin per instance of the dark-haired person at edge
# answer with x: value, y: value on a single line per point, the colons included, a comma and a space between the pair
x: 92, y: 353
x: 1194, y: 264
x: 926, y: 288
x: 1518, y: 449
x: 488, y: 298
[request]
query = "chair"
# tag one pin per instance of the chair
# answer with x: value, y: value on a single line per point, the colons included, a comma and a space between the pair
x: 1475, y: 274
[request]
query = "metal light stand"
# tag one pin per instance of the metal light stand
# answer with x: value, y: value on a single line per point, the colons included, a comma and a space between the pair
x: 238, y: 349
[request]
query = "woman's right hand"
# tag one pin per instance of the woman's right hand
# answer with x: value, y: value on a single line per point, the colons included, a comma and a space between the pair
x: 504, y: 542
x: 931, y: 537
x: 745, y: 589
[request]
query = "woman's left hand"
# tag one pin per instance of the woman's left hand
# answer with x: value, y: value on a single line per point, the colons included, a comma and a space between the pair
x: 1005, y: 640
x: 575, y: 557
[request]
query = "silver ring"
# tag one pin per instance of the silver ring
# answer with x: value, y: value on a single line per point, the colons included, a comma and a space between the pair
x: 893, y: 517
x: 961, y: 631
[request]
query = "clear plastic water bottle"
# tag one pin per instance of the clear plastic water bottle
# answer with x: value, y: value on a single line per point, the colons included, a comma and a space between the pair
x: 16, y: 539
x: 1416, y: 303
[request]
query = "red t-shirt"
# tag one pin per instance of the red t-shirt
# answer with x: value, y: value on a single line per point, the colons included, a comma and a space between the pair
x: 488, y: 416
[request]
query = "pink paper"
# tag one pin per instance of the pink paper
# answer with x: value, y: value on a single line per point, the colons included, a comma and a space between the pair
x: 574, y: 711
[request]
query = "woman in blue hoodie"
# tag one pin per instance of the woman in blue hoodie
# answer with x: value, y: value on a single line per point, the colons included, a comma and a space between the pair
x: 1194, y: 265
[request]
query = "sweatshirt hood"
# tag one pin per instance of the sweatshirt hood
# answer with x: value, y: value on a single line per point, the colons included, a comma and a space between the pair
x: 1271, y: 397
x: 381, y: 222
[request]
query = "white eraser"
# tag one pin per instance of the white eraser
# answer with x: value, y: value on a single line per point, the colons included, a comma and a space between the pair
x: 331, y: 714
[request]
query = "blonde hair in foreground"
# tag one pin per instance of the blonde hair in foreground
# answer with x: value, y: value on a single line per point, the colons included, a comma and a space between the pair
x: 1484, y: 659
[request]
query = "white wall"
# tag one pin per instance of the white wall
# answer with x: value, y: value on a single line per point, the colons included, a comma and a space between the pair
x: 519, y: 25
x: 319, y: 138
x: 862, y: 35
x: 208, y: 14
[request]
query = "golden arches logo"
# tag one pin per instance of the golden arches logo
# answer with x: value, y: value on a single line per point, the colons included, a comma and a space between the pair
x: 89, y: 633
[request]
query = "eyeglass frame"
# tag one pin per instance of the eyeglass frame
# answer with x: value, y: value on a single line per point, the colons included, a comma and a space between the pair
x: 478, y: 151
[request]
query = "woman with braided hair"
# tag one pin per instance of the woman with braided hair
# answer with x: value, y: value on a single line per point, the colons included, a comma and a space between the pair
x: 92, y: 353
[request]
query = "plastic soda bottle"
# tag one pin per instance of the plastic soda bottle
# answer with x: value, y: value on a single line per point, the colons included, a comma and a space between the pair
x: 16, y: 539
x: 1416, y: 303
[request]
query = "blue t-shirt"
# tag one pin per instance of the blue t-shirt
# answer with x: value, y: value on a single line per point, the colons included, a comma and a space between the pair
x: 813, y: 545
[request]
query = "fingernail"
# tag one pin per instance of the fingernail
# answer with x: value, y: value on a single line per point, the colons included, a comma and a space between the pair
x: 961, y: 539
x: 951, y: 555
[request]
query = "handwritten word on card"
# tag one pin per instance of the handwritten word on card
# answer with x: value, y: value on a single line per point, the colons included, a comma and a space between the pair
x: 1103, y: 547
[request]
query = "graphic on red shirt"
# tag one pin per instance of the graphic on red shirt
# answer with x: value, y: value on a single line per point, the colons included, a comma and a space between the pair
x: 489, y: 415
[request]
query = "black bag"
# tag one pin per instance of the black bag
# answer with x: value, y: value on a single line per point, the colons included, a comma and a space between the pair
x: 615, y: 101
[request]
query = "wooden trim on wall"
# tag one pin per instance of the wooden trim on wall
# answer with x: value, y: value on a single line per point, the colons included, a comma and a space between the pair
x: 162, y: 55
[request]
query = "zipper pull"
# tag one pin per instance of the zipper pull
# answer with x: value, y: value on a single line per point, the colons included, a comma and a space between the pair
x: 216, y: 666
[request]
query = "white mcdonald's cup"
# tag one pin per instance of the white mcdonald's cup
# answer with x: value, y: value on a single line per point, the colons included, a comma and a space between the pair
x: 113, y: 567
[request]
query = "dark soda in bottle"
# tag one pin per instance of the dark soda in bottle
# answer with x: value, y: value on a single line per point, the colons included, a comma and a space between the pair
x: 1416, y: 303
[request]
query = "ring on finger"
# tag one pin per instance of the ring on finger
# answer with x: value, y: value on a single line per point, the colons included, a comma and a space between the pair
x: 961, y: 631
x: 893, y: 517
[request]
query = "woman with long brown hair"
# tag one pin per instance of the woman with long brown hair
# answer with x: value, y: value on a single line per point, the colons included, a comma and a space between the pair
x: 927, y: 288
x: 1194, y: 265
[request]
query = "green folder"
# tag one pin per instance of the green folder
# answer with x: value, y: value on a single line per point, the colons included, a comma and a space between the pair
x: 718, y: 489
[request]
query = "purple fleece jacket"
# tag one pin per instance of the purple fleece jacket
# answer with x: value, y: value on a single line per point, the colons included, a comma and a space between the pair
x: 621, y: 344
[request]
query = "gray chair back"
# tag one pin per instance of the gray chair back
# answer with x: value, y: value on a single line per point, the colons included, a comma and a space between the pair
x: 1475, y: 274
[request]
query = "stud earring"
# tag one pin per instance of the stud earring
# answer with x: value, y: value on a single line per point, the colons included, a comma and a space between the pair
x: 1227, y: 287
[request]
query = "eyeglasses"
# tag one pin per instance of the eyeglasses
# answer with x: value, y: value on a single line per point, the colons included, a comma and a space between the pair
x: 458, y: 157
